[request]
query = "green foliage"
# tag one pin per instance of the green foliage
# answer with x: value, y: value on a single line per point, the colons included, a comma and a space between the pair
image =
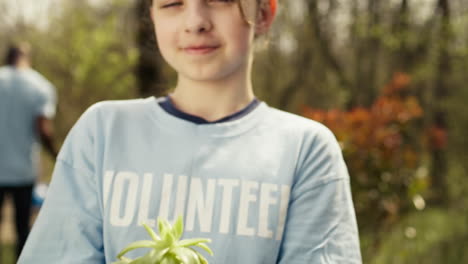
x: 88, y: 53
x: 381, y: 154
x: 432, y: 236
x: 89, y: 58
x: 167, y: 248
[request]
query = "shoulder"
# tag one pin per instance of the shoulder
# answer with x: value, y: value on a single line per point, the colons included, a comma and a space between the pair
x: 39, y: 80
x: 5, y: 71
x: 30, y: 82
x: 315, y: 147
x: 121, y: 107
x: 298, y: 126
x: 116, y: 111
x: 97, y: 122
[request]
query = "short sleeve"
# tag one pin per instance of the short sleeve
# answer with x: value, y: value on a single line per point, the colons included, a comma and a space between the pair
x: 321, y: 224
x: 69, y: 226
x: 48, y: 102
x: 46, y: 95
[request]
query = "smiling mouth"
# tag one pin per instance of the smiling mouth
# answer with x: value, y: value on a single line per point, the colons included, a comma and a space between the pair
x: 200, y: 50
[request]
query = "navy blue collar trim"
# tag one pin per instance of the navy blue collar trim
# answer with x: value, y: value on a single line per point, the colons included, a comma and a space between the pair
x: 170, y: 108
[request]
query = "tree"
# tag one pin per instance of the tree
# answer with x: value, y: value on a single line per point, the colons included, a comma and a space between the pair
x: 441, y: 92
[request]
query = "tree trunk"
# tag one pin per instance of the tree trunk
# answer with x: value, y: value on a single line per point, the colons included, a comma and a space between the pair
x: 366, y: 57
x: 402, y: 59
x: 439, y: 121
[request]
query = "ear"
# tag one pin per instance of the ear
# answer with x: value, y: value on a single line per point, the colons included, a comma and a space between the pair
x: 265, y: 17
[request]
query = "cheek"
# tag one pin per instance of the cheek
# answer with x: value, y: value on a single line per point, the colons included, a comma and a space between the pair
x: 243, y: 36
x: 165, y: 43
x: 164, y: 36
x: 236, y: 30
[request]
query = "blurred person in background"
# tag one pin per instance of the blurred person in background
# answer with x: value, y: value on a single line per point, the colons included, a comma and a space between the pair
x: 27, y: 106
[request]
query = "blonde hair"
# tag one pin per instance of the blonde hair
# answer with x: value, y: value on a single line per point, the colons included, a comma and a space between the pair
x: 246, y: 5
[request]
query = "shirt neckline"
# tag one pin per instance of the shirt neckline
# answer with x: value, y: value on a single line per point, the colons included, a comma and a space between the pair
x: 223, y: 129
x: 167, y: 104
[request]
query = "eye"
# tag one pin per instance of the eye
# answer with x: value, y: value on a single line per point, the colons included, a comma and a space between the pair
x: 223, y: 1
x: 173, y: 4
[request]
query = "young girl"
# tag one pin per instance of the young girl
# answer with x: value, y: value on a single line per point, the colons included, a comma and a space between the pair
x: 264, y: 185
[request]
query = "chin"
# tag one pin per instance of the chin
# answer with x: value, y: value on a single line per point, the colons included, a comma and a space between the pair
x: 207, y: 76
x: 204, y: 78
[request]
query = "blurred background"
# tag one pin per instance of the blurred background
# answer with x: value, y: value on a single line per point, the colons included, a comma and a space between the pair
x: 389, y: 77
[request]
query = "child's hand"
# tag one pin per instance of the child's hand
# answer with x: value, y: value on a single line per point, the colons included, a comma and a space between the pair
x: 167, y: 249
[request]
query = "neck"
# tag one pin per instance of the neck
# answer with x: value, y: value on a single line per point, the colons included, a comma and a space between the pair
x: 213, y: 100
x: 21, y: 65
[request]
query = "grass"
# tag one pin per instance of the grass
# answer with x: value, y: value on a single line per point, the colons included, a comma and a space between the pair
x: 432, y: 236
x: 7, y: 255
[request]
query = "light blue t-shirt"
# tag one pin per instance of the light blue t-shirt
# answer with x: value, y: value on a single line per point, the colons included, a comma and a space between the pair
x: 24, y: 96
x: 270, y: 187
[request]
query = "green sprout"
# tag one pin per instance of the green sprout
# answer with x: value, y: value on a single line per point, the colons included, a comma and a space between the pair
x: 167, y: 249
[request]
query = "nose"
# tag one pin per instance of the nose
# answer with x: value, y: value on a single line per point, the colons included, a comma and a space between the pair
x: 198, y: 20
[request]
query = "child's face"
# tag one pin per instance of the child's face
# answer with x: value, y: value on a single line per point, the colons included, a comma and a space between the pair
x: 203, y: 39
